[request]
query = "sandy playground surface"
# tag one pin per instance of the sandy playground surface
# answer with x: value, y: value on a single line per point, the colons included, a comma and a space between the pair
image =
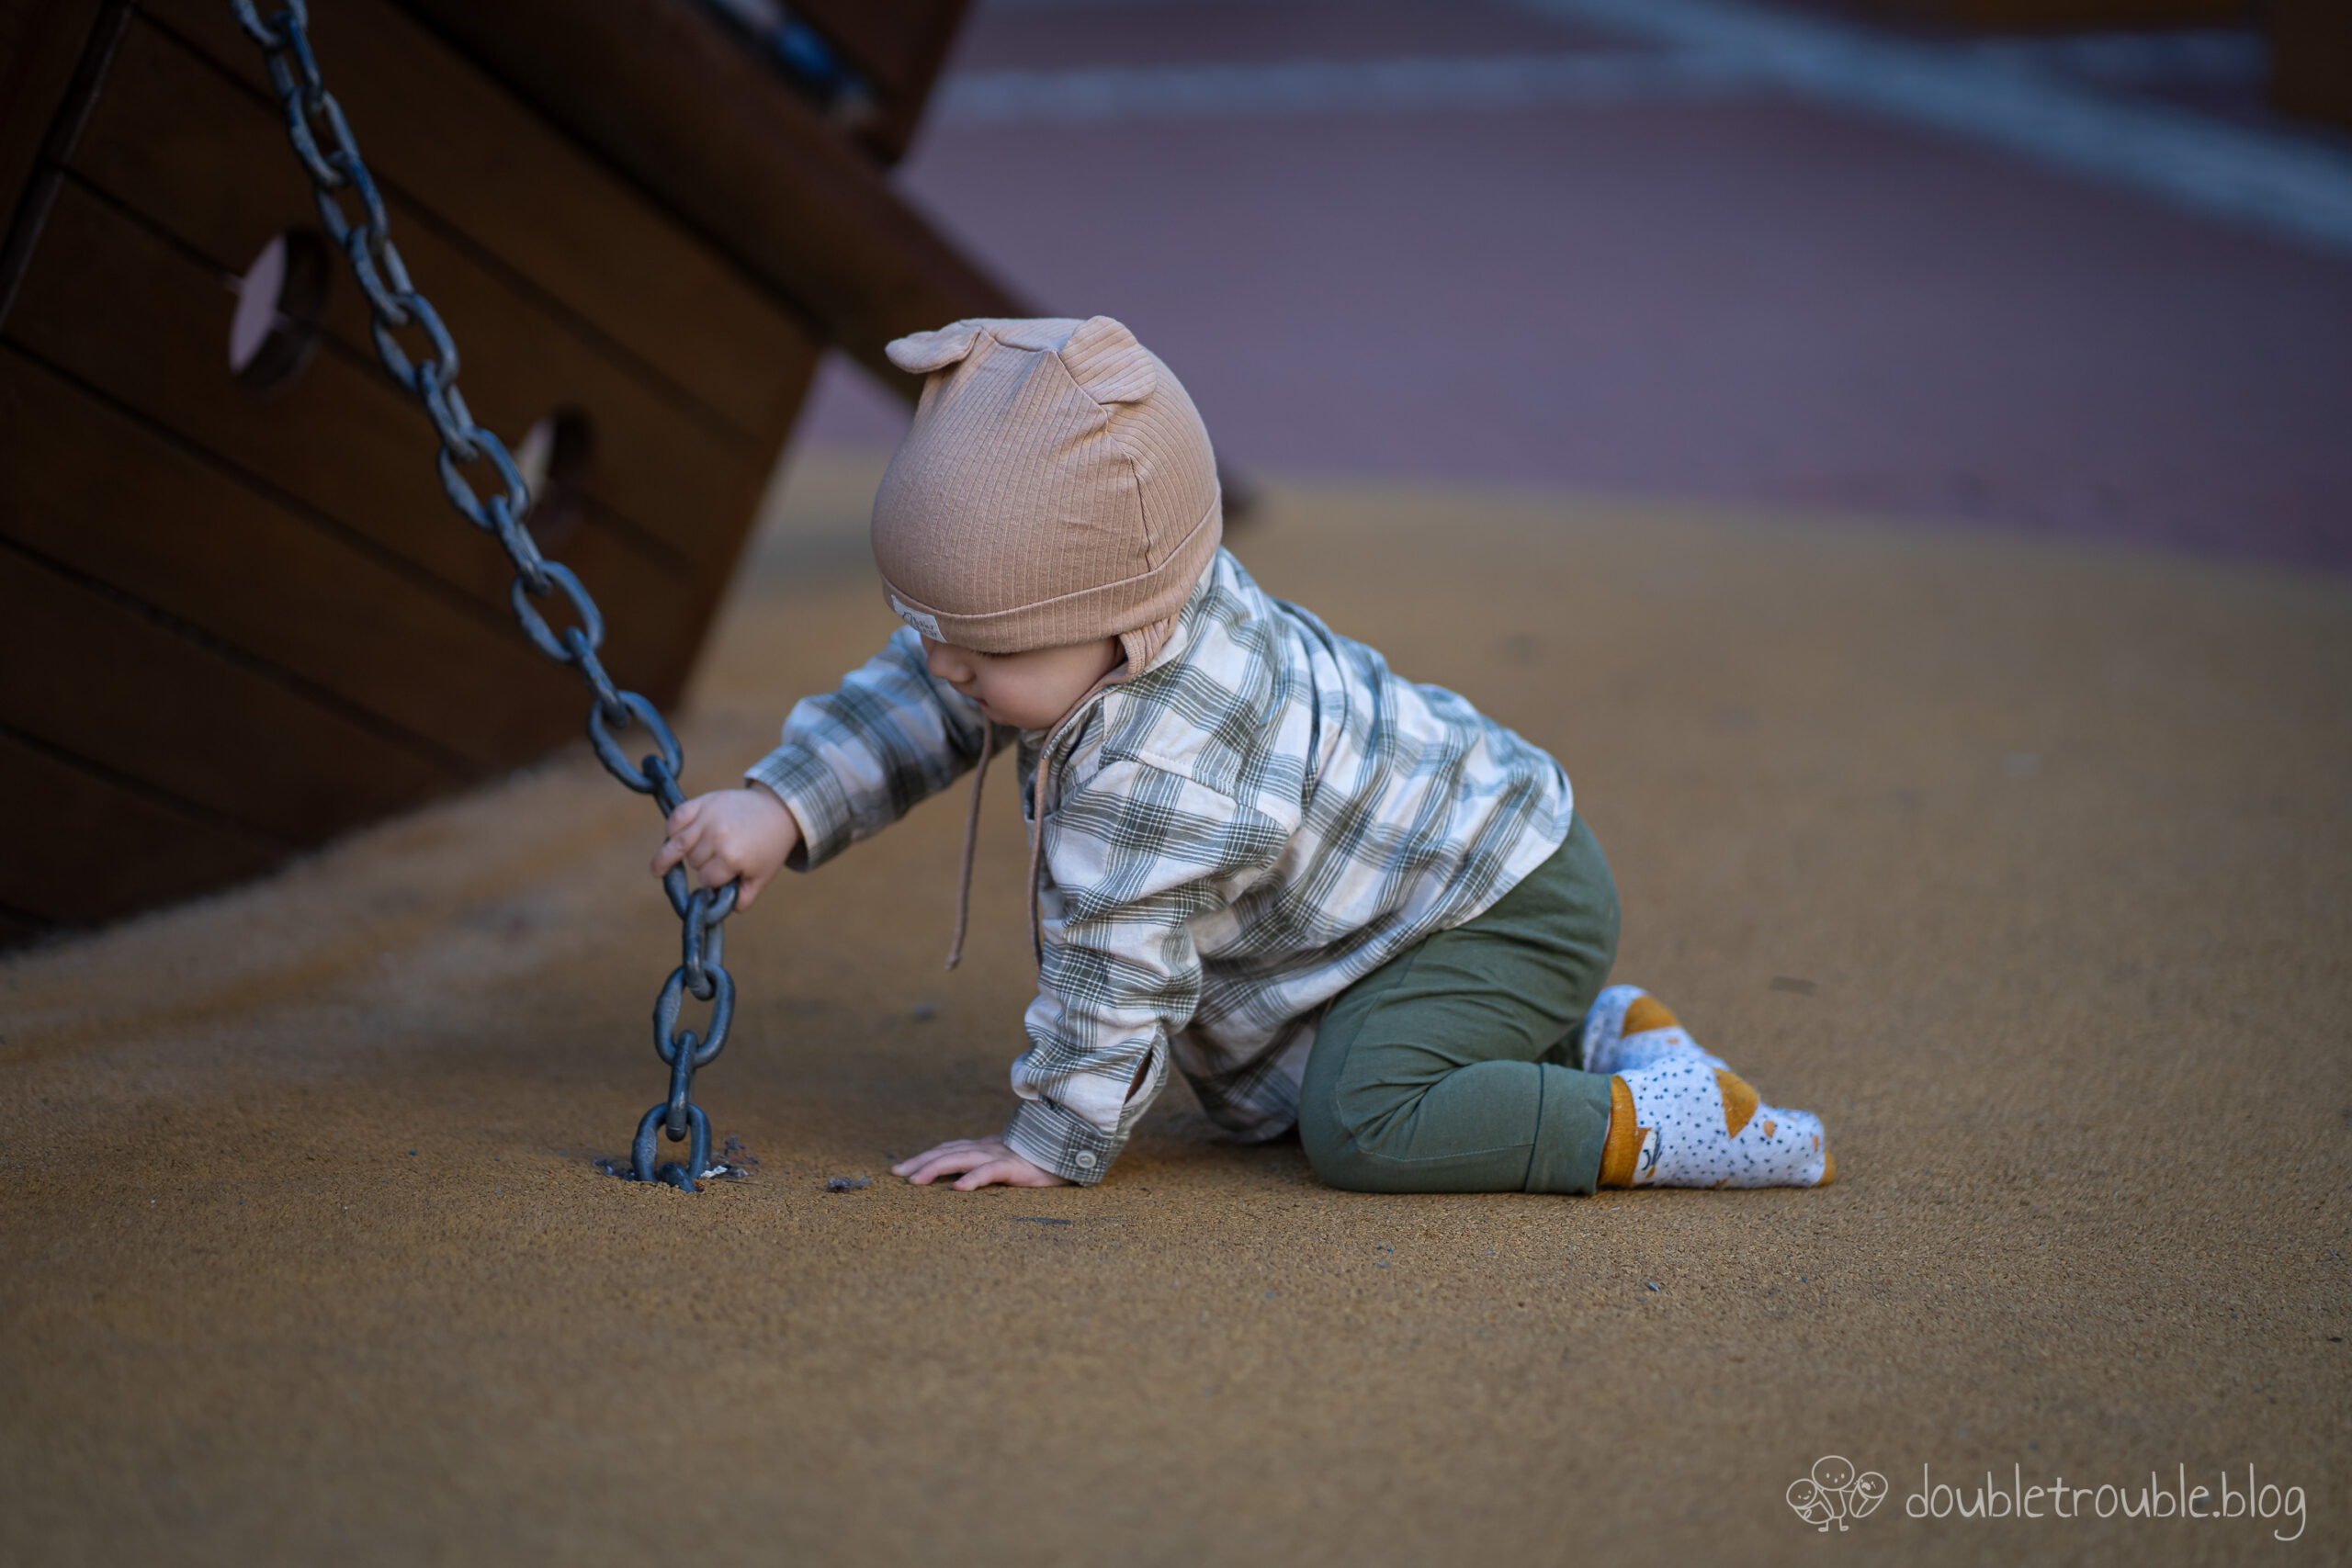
x: 2025, y: 864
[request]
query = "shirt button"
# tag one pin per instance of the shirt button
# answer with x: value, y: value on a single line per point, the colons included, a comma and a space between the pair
x: 1085, y: 1160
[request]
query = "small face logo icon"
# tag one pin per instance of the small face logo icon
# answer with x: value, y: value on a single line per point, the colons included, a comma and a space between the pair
x: 1814, y: 1506
x: 1835, y: 1493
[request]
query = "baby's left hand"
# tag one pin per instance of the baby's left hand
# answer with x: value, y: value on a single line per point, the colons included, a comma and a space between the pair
x: 983, y: 1161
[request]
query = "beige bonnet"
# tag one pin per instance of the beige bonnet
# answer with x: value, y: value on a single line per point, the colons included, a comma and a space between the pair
x: 1056, y: 486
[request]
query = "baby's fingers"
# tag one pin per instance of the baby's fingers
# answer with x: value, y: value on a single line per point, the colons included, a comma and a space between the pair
x: 670, y: 852
x: 947, y: 1159
x: 1011, y: 1172
x: 717, y: 862
x: 680, y: 845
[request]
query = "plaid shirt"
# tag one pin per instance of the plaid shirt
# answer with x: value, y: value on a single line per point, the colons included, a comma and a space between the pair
x: 1262, y: 818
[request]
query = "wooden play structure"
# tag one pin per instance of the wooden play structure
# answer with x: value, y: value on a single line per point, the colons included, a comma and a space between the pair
x: 237, y: 615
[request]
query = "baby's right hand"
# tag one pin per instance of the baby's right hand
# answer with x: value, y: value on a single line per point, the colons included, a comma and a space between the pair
x: 730, y: 835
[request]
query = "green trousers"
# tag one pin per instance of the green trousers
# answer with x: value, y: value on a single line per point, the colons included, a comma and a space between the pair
x: 1449, y: 1069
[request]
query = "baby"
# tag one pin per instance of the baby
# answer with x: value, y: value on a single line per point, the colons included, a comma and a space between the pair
x: 1333, y: 898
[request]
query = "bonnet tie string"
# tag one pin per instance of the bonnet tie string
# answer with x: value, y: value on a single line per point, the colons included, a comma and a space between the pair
x: 1141, y: 647
x: 1037, y: 854
x: 971, y: 844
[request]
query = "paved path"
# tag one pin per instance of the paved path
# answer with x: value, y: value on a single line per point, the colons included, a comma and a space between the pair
x: 2023, y: 862
x: 1661, y: 277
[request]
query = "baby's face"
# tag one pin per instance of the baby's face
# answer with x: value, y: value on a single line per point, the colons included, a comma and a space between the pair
x: 1029, y: 691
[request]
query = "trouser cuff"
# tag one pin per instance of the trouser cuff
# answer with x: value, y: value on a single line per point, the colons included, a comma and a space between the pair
x: 1570, y: 1133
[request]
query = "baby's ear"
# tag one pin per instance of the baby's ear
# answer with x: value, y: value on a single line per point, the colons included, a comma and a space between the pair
x: 1108, y: 364
x: 919, y: 354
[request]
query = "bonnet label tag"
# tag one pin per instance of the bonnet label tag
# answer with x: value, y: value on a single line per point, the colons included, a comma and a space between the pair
x: 927, y: 625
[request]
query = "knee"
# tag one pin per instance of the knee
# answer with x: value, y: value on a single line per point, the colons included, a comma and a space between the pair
x: 1334, y: 1147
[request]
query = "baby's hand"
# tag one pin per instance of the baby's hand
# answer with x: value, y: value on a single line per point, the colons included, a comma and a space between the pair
x: 730, y: 835
x: 983, y: 1161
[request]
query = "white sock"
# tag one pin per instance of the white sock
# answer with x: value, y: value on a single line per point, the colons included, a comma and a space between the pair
x: 1629, y: 1029
x: 1688, y: 1124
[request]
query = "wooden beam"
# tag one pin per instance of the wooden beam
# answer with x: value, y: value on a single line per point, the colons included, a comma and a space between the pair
x: 97, y: 678
x: 156, y: 851
x: 2066, y: 16
x: 900, y: 44
x: 498, y: 179
x: 181, y: 146
x: 2310, y: 59
x: 124, y: 311
x: 660, y: 90
x: 42, y: 42
x: 53, y: 58
x: 116, y: 501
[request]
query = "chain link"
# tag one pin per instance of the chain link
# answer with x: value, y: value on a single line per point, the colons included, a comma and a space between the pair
x: 427, y: 368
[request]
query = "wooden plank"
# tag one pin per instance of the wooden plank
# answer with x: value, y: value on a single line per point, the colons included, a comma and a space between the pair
x: 99, y: 681
x: 129, y: 315
x: 897, y: 43
x: 16, y: 930
x: 2065, y: 16
x: 181, y: 144
x: 153, y: 851
x: 53, y: 57
x: 40, y: 45
x: 111, y: 498
x: 900, y: 45
x: 434, y: 124
x: 659, y: 89
x: 2310, y: 59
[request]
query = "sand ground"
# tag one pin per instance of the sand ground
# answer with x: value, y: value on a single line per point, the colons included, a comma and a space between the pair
x: 2024, y: 862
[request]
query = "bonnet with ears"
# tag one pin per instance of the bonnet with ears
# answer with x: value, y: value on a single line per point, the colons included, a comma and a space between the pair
x: 1056, y: 486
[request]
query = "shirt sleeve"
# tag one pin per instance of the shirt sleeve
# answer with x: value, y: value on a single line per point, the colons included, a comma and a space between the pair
x: 1136, y: 855
x: 857, y: 759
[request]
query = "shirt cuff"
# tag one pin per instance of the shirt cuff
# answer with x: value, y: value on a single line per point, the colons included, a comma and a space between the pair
x: 1053, y: 1139
x: 812, y: 793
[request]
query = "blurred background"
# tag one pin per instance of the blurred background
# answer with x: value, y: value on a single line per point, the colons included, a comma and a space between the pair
x: 2075, y: 268
x: 2072, y: 266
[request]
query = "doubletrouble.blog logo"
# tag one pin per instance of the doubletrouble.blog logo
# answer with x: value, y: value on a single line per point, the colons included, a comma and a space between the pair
x: 1834, y: 1492
x: 2176, y: 1497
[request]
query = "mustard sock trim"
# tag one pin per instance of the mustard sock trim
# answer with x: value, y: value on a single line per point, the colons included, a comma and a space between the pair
x: 1739, y: 1102
x: 1623, y: 1147
x: 1645, y: 1013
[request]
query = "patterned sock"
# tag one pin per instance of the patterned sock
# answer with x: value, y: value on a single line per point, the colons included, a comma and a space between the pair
x: 1629, y: 1029
x: 1682, y: 1123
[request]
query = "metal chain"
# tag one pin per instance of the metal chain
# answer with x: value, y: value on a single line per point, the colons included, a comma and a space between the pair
x: 323, y: 141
